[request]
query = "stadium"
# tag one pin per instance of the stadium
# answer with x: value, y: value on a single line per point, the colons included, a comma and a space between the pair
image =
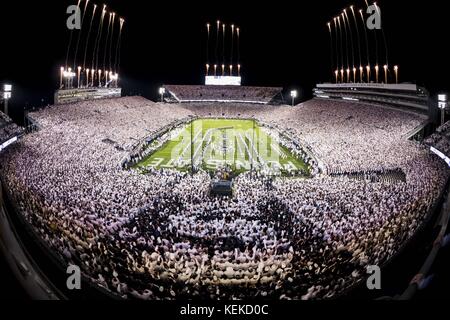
x: 224, y: 191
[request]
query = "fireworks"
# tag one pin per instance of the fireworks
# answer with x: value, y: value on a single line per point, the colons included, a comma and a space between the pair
x: 87, y: 76
x: 227, y: 40
x: 345, y: 51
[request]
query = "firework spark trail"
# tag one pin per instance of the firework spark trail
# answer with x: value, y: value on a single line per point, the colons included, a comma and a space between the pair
x: 98, y: 39
x: 111, y: 43
x: 119, y: 41
x: 70, y: 40
x: 88, y: 37
x: 79, y: 35
x: 106, y: 43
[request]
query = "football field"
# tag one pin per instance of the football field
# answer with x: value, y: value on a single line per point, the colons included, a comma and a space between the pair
x: 242, y: 145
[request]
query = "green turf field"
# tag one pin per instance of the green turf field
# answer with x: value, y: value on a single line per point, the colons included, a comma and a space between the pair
x: 240, y: 144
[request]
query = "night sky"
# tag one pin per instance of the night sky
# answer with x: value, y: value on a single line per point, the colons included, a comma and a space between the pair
x: 282, y: 43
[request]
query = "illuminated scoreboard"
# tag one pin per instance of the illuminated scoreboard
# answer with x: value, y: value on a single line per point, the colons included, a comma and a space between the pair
x: 222, y: 81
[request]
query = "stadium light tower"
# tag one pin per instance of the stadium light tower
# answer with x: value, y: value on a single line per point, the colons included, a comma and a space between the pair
x: 442, y: 105
x: 162, y: 92
x: 7, y: 93
x: 294, y: 95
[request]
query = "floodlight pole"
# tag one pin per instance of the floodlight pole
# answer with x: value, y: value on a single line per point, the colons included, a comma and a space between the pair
x: 6, y: 95
x: 6, y: 106
x: 442, y: 116
x: 162, y: 92
x: 294, y: 95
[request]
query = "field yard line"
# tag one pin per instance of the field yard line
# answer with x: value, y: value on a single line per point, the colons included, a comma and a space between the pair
x: 258, y: 157
x: 188, y: 146
x: 246, y: 147
x: 241, y: 152
x: 278, y: 150
x: 274, y: 148
x: 207, y: 133
x: 207, y: 146
x: 209, y: 140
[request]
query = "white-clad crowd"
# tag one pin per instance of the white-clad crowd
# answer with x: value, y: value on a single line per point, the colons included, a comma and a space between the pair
x: 8, y: 129
x: 160, y: 235
x: 440, y: 140
x: 223, y: 93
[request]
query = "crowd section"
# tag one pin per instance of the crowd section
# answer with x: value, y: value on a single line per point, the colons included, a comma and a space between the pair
x: 441, y: 139
x: 351, y: 137
x: 160, y: 235
x: 261, y: 95
x: 8, y: 129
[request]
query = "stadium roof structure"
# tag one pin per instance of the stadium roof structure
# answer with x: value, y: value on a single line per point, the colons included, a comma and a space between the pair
x: 224, y: 94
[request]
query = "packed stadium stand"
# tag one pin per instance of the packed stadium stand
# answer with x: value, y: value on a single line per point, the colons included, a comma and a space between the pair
x: 9, y: 131
x: 64, y: 96
x: 256, y: 95
x: 406, y: 96
x: 159, y: 234
x: 439, y: 142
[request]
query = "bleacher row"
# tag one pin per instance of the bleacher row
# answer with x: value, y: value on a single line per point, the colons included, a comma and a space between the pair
x: 440, y: 139
x: 388, y: 176
x: 404, y: 96
x: 160, y: 235
x: 8, y: 129
x: 257, y: 95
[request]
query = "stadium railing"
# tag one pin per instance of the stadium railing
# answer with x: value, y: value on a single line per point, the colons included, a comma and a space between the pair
x: 50, y: 267
x: 418, y: 282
